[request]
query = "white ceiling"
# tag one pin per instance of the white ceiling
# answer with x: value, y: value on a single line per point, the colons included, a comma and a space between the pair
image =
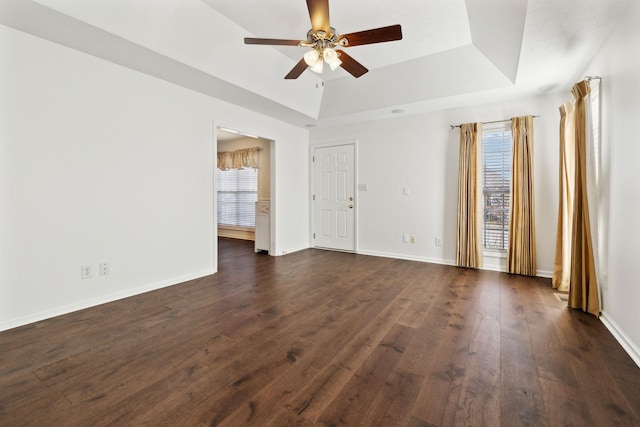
x: 453, y: 53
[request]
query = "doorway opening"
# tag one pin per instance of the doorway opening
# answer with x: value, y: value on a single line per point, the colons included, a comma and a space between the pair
x: 243, y: 188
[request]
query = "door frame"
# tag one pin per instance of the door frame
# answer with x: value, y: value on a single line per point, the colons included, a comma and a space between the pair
x: 272, y: 188
x: 312, y: 221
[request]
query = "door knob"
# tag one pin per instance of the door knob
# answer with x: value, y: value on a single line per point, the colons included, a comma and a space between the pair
x: 350, y: 206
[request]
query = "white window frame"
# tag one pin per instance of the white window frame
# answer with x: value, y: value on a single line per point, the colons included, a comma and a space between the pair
x: 496, y: 153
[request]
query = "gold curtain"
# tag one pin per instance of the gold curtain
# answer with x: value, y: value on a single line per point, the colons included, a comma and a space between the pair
x: 574, y: 243
x: 469, y: 242
x: 583, y: 289
x: 522, y: 239
x: 562, y: 264
x: 245, y: 158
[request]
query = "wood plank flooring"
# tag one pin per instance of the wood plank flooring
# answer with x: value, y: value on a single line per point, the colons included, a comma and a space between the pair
x: 319, y: 338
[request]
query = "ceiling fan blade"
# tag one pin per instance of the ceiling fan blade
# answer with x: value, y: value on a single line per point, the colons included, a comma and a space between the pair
x: 354, y: 68
x: 319, y: 14
x: 297, y: 70
x: 280, y: 42
x: 376, y: 35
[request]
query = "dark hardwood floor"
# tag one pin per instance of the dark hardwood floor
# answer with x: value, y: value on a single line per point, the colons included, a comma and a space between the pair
x: 319, y: 338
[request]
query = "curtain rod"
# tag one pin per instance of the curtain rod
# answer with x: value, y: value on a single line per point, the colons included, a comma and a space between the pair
x: 243, y: 149
x: 486, y: 123
x: 589, y: 78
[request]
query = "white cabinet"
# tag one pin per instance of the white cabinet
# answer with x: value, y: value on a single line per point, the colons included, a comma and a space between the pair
x: 263, y: 226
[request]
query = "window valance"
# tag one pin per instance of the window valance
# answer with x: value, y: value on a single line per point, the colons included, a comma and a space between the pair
x: 238, y: 159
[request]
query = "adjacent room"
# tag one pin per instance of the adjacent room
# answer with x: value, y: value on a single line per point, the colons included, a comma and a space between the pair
x: 319, y: 213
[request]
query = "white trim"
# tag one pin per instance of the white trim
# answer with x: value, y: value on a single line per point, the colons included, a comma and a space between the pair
x: 272, y: 197
x: 409, y: 257
x: 452, y: 262
x: 214, y: 194
x: 47, y: 314
x: 292, y: 250
x: 629, y: 346
x: 272, y: 186
x: 356, y: 196
x: 544, y: 273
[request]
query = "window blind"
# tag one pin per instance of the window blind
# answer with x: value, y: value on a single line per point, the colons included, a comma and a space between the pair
x: 496, y: 178
x: 237, y: 194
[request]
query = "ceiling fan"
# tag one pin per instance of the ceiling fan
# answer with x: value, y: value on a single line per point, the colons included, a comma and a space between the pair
x: 324, y: 39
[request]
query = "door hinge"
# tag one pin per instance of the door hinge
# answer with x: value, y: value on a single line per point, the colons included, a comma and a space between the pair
x: 313, y: 158
x: 314, y: 197
x: 314, y: 235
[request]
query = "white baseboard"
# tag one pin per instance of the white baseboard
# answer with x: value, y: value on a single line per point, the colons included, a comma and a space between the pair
x: 544, y: 273
x: 47, y: 314
x: 629, y: 346
x: 487, y: 266
x: 290, y: 250
x: 407, y: 257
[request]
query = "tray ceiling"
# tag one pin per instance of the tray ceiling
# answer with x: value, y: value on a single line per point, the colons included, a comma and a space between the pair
x: 454, y: 52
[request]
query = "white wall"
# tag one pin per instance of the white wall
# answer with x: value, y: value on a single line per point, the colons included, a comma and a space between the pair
x: 619, y: 66
x: 99, y: 163
x: 420, y: 152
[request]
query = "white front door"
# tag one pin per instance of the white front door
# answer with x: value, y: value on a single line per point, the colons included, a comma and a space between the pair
x: 334, y: 197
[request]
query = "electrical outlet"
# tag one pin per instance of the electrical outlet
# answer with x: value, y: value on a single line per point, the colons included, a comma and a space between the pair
x: 86, y: 271
x: 438, y: 241
x: 405, y: 238
x: 412, y: 239
x: 105, y: 269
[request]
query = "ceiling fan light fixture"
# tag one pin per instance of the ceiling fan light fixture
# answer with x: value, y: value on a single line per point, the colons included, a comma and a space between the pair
x: 312, y: 57
x: 335, y: 64
x: 331, y: 57
x: 317, y: 67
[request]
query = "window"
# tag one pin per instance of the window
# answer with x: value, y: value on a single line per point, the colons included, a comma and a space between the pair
x: 594, y: 118
x: 237, y: 194
x: 496, y: 185
x: 594, y: 159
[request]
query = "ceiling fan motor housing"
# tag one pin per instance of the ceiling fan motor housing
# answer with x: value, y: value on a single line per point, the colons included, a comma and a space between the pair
x: 320, y: 39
